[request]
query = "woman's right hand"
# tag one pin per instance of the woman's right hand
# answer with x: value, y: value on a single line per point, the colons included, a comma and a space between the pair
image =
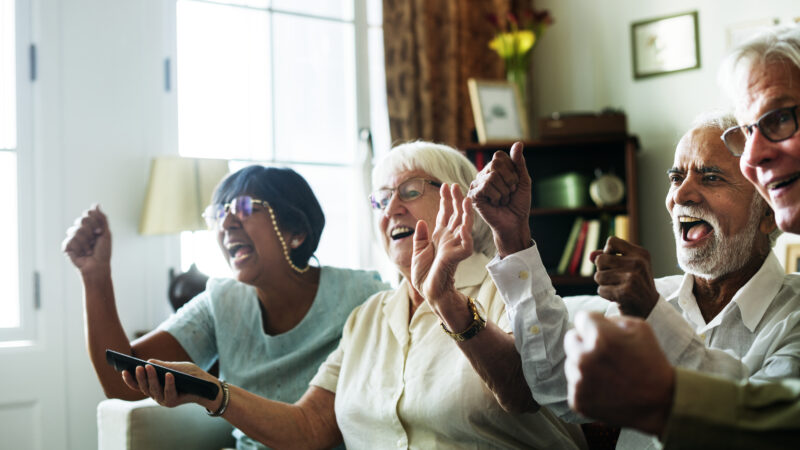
x: 88, y: 241
x: 146, y: 381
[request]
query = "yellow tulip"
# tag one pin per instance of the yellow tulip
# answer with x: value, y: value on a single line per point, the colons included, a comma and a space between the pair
x: 514, y: 43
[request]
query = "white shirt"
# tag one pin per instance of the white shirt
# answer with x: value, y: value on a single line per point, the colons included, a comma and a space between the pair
x: 757, y: 335
x: 406, y: 384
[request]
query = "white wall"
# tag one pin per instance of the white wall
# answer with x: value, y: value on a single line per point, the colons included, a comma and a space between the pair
x: 100, y: 117
x: 584, y: 63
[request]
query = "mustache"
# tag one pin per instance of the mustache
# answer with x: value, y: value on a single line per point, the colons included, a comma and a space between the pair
x: 693, y: 211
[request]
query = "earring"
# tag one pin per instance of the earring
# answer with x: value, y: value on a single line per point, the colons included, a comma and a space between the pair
x: 295, y: 243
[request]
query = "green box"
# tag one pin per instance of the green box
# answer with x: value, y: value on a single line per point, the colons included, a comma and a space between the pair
x: 568, y: 190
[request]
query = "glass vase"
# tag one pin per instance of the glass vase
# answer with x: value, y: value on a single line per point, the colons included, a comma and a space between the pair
x: 518, y: 75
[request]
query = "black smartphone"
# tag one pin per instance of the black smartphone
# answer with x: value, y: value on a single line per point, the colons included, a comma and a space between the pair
x: 184, y: 383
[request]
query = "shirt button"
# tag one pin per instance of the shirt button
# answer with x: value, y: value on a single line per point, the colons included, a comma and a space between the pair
x: 534, y: 329
x: 523, y: 275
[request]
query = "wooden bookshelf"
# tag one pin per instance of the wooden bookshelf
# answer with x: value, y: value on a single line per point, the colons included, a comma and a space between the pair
x: 550, y: 227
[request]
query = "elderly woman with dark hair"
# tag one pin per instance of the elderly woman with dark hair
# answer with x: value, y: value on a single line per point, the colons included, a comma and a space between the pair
x: 430, y: 364
x: 270, y: 327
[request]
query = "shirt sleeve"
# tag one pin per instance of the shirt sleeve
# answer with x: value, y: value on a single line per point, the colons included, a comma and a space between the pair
x: 713, y: 412
x: 684, y: 348
x: 194, y: 328
x: 327, y: 376
x: 539, y: 320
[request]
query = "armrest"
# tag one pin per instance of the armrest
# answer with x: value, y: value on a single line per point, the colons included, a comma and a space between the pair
x: 144, y: 424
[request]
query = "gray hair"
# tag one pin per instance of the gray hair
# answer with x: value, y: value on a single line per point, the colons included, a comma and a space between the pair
x: 779, y: 44
x: 444, y: 163
x: 714, y: 120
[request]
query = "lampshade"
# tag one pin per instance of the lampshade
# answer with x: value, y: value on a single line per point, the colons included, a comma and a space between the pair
x: 178, y: 191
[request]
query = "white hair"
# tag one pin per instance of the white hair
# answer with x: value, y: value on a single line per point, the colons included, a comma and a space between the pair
x: 444, y: 163
x: 773, y: 45
x: 715, y: 120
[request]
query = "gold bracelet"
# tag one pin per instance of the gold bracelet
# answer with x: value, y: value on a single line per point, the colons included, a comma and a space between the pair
x: 478, y: 322
x: 226, y: 396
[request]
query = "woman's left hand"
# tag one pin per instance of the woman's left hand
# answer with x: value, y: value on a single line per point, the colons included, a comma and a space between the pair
x: 436, y: 256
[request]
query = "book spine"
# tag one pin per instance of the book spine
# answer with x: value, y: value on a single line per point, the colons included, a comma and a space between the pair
x: 621, y: 227
x: 563, y: 263
x: 575, y: 262
x: 592, y: 238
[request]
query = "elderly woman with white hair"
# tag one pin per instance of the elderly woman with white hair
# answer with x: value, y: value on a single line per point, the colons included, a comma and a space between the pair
x: 431, y: 364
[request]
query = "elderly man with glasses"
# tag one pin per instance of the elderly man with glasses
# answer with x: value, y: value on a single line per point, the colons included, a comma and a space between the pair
x: 730, y: 314
x: 616, y: 372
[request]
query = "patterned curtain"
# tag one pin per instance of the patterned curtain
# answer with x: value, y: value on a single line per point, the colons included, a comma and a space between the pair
x: 432, y: 47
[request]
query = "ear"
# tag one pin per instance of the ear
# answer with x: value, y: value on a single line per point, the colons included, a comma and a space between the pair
x: 295, y: 239
x: 767, y: 224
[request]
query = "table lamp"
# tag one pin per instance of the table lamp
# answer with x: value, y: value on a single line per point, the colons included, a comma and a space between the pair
x: 177, y: 193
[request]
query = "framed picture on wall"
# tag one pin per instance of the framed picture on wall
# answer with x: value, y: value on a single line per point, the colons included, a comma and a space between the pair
x: 497, y: 108
x: 665, y: 45
x: 792, y: 258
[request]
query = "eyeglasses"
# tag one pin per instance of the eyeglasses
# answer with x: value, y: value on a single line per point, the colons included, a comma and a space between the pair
x: 408, y: 190
x: 776, y: 125
x: 241, y: 207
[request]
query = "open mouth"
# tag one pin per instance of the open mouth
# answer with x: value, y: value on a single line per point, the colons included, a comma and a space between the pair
x: 401, y: 232
x: 238, y: 251
x: 783, y: 183
x: 694, y: 229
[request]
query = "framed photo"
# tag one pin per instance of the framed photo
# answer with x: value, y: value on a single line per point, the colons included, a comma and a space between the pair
x: 499, y: 115
x: 665, y: 45
x: 792, y: 258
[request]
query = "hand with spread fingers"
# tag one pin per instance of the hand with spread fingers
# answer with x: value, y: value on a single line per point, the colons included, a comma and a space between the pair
x: 88, y: 242
x: 617, y: 373
x: 625, y: 276
x: 436, y: 255
x: 501, y: 193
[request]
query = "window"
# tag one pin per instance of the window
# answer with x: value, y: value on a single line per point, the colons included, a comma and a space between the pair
x: 285, y: 83
x: 15, y: 304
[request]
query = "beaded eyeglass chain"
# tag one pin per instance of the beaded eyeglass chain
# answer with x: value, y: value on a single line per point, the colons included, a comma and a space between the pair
x: 283, y: 243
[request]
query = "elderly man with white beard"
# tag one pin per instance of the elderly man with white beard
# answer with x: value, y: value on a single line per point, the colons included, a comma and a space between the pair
x: 734, y: 313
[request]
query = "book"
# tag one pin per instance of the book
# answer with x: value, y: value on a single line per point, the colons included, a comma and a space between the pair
x: 606, y: 227
x: 590, y: 245
x: 569, y: 247
x: 612, y: 222
x: 575, y: 260
x: 621, y: 229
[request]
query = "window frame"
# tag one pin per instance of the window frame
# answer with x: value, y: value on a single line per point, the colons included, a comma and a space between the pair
x: 25, y: 333
x: 363, y: 112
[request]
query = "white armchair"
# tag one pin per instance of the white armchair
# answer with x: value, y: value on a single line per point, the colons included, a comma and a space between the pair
x: 144, y: 424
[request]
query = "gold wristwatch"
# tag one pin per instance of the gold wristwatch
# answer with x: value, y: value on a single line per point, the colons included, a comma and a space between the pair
x: 478, y: 322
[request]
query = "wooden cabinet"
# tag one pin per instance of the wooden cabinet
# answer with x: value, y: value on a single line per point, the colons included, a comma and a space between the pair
x: 550, y: 227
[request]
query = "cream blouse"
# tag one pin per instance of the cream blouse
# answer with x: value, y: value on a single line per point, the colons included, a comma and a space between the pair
x: 405, y: 384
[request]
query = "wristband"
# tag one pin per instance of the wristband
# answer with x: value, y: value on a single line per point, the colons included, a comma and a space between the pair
x: 226, y: 396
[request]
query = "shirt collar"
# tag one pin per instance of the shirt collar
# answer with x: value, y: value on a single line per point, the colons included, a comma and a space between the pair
x: 752, y: 299
x: 470, y: 272
x: 757, y: 294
